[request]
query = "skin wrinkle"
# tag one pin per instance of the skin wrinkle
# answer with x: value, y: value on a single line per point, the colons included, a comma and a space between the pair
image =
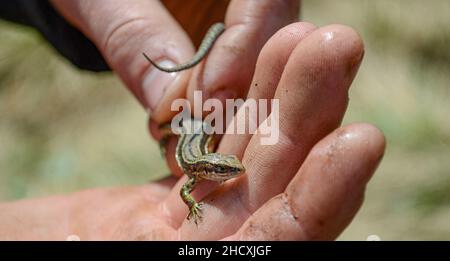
x: 113, y: 45
x: 259, y: 164
x: 314, y: 225
x: 137, y: 36
x: 279, y: 217
x: 272, y: 227
x: 251, y: 160
x: 290, y: 194
x: 297, y: 189
x: 118, y: 16
x: 295, y: 216
x: 118, y: 40
x: 333, y: 152
x: 119, y: 27
x: 118, y: 53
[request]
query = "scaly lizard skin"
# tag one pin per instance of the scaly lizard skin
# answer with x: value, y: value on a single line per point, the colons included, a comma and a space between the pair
x: 208, y: 41
x: 195, y: 156
x: 195, y: 149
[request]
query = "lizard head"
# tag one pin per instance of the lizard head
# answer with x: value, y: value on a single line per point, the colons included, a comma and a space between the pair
x: 219, y: 167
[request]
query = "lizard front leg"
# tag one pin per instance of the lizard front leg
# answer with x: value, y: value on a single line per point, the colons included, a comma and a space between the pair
x: 194, y: 207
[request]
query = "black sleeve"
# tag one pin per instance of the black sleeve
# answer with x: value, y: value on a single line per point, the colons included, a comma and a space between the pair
x: 66, y: 39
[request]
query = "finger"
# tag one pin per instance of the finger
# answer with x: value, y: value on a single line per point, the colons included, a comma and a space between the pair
x: 270, y: 65
x: 123, y: 30
x: 269, y: 68
x: 207, y: 13
x: 228, y: 70
x: 271, y: 62
x: 313, y: 98
x: 326, y: 192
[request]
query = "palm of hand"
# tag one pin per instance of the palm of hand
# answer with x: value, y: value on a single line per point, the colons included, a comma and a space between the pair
x: 307, y: 186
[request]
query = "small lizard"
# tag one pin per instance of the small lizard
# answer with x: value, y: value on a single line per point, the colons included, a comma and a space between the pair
x: 195, y: 149
x: 195, y: 156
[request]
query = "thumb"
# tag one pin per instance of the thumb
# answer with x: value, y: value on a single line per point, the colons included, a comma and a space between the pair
x: 122, y: 31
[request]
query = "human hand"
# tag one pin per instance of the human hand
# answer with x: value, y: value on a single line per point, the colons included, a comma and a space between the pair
x: 308, y: 186
x: 305, y: 186
x: 122, y: 30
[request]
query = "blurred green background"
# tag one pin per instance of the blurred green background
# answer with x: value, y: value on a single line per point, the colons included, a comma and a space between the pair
x: 63, y: 130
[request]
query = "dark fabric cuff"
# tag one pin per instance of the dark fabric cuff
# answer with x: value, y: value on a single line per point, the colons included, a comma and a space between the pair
x: 66, y: 39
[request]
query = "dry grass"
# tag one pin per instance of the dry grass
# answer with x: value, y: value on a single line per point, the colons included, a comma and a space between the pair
x: 63, y: 130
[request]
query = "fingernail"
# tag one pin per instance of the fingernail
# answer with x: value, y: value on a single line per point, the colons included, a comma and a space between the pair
x: 156, y: 82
